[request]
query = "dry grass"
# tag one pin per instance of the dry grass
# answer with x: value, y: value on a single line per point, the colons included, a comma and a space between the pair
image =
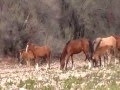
x: 14, y: 77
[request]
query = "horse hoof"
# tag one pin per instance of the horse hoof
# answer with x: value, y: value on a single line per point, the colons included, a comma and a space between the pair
x: 20, y: 64
x: 73, y: 68
x: 65, y: 69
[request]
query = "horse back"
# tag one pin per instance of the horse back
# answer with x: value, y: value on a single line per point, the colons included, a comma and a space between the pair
x: 85, y: 43
x: 42, y: 50
x: 104, y: 45
x: 76, y: 46
x: 109, y: 41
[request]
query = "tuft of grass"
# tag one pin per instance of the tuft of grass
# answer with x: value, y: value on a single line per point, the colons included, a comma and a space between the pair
x: 9, y: 83
x: 48, y: 87
x: 113, y: 86
x: 68, y: 82
x: 101, y: 88
x: 0, y: 87
x: 29, y: 84
x: 21, y: 84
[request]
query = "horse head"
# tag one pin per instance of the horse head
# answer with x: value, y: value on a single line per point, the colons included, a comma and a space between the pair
x: 96, y: 43
x: 62, y: 62
x: 28, y: 46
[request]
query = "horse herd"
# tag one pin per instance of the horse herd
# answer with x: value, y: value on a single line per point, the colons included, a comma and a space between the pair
x: 95, y: 51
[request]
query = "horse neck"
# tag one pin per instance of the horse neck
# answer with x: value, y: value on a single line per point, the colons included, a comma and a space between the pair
x: 32, y: 49
x: 96, y: 45
x: 63, y: 55
x: 90, y: 46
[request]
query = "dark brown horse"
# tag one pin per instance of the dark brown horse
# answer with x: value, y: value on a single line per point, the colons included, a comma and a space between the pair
x: 27, y: 56
x: 74, y: 47
x: 39, y: 51
x: 102, y: 46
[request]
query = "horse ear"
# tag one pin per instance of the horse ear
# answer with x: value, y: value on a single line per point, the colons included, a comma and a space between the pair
x: 28, y: 41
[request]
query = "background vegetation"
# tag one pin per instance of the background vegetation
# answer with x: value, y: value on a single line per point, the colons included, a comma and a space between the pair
x: 54, y: 22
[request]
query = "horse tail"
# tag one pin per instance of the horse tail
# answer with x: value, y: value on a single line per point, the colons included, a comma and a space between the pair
x: 63, y: 55
x: 96, y: 44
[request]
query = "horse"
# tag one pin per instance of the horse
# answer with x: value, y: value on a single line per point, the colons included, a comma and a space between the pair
x: 103, y: 46
x: 39, y: 51
x: 74, y: 47
x: 27, y: 56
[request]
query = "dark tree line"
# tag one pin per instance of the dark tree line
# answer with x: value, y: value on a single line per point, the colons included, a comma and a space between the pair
x: 55, y: 22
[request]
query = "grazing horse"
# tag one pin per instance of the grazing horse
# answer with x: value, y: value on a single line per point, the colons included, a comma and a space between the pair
x: 74, y: 47
x: 102, y: 46
x: 39, y: 51
x: 27, y: 56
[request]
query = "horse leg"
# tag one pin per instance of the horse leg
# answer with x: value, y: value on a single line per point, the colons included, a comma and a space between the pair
x: 20, y: 63
x: 72, y: 62
x: 104, y: 61
x: 62, y: 65
x: 85, y: 58
x: 29, y: 62
x: 96, y: 63
x: 118, y: 55
x: 109, y: 59
x: 86, y: 55
x: 48, y: 62
x: 115, y: 53
x: 67, y: 62
x: 96, y: 59
x: 90, y: 63
x: 93, y: 62
x: 36, y: 62
x: 118, y: 59
x: 100, y: 61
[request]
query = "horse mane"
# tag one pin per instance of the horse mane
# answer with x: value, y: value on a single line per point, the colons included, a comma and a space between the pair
x: 96, y: 44
x: 68, y: 42
x: 116, y: 36
x: 64, y: 51
x: 21, y: 50
x: 34, y: 46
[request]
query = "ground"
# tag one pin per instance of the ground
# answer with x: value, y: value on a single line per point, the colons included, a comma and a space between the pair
x: 15, y: 77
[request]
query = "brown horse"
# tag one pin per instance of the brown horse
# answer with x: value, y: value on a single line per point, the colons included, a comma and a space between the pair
x: 27, y: 56
x: 39, y: 51
x: 102, y: 46
x: 74, y: 47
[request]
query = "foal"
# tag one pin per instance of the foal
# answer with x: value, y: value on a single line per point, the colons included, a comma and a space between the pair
x: 27, y: 56
x: 39, y: 51
x: 103, y: 46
